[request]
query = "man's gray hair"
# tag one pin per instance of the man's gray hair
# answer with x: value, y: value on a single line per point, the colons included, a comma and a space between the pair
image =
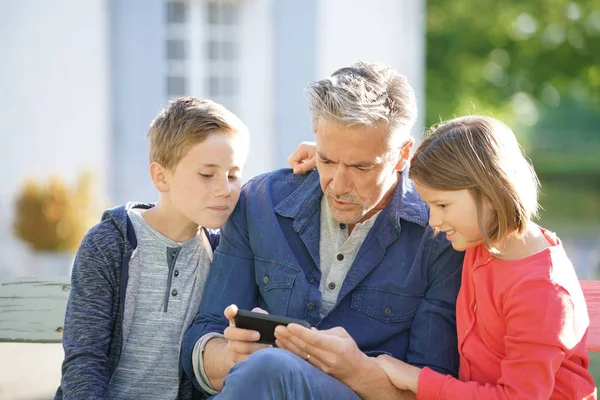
x: 364, y: 94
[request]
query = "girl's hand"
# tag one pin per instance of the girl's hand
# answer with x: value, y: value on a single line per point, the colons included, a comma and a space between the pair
x: 402, y: 375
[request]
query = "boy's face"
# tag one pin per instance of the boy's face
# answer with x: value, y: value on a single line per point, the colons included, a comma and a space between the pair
x: 205, y: 185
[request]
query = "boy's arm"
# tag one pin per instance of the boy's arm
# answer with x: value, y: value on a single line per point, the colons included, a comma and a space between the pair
x: 89, y: 321
x: 433, y: 341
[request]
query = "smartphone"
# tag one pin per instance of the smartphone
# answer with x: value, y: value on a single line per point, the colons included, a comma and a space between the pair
x: 265, y: 324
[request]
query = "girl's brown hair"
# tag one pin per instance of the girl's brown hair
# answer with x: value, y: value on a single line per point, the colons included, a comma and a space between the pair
x: 482, y: 155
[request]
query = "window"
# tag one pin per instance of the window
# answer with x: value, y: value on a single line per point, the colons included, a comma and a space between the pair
x: 203, y: 50
x: 221, y: 52
x: 177, y: 12
x: 176, y: 49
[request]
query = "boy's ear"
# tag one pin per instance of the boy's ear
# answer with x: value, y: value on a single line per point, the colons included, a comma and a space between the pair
x: 405, y: 154
x: 159, y: 177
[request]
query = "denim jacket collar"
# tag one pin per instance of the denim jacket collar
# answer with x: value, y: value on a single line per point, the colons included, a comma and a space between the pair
x: 305, y: 201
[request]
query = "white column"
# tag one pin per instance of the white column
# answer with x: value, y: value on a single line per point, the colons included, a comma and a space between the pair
x: 388, y: 31
x: 54, y: 108
x: 54, y: 102
x: 256, y: 83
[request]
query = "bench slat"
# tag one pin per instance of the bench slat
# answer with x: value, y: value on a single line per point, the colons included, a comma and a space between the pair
x: 33, y: 309
x: 591, y: 292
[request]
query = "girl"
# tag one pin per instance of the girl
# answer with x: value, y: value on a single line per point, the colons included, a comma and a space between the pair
x: 521, y: 317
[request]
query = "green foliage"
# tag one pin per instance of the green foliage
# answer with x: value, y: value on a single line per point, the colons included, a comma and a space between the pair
x: 53, y: 217
x: 490, y: 56
x: 565, y: 204
x: 535, y: 64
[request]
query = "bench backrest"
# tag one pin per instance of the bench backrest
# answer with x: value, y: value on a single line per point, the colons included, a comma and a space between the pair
x: 591, y: 291
x: 33, y: 310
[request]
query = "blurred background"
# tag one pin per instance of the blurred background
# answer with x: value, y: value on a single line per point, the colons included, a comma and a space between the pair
x: 80, y: 82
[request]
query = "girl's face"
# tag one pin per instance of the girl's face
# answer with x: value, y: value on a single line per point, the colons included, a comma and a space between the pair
x: 455, y: 213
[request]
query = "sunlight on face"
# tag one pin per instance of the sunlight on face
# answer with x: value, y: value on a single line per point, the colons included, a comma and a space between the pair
x: 356, y: 168
x: 205, y: 185
x: 454, y: 213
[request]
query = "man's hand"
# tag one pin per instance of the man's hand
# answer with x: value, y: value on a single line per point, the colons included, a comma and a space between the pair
x: 304, y: 160
x: 222, y: 354
x: 241, y: 342
x: 333, y: 351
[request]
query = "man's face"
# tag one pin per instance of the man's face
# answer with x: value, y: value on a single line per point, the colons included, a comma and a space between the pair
x: 357, y: 168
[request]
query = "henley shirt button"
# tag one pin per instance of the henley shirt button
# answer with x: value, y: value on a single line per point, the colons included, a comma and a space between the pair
x: 174, y: 292
x: 176, y: 273
x: 331, y: 286
x: 340, y: 257
x: 342, y: 226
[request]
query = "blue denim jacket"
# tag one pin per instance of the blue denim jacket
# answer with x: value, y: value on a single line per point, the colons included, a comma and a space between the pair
x: 398, y: 297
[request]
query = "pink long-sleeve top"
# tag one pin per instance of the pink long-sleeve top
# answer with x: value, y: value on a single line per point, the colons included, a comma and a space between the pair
x: 522, y: 327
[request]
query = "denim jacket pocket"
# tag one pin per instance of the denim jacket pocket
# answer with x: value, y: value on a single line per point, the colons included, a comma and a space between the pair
x: 275, y: 281
x: 386, y: 305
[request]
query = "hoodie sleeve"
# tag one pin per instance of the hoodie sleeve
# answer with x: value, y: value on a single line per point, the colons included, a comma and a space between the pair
x: 89, y: 321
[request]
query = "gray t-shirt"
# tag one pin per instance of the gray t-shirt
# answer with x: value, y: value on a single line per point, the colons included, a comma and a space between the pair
x: 166, y: 281
x: 337, y: 251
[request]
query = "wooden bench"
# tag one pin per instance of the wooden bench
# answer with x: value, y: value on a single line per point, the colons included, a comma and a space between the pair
x: 32, y: 310
x: 591, y: 291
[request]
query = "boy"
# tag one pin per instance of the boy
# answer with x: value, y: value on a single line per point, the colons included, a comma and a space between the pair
x: 139, y: 274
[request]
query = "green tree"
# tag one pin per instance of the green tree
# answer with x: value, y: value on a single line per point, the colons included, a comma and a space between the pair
x: 509, y: 57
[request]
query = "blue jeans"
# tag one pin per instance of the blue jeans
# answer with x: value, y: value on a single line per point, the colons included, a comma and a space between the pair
x: 278, y: 374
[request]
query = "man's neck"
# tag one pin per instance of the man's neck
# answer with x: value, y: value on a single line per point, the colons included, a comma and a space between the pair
x: 170, y: 223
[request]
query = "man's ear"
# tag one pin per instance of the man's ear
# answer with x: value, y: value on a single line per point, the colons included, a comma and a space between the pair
x: 158, y: 173
x: 405, y: 154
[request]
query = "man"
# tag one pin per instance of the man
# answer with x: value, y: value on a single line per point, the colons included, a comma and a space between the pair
x: 346, y: 248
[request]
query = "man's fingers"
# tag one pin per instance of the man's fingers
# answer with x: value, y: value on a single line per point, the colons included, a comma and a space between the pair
x: 302, y: 159
x: 338, y: 331
x: 230, y: 313
x: 246, y: 347
x: 259, y: 310
x: 239, y: 351
x: 241, y: 335
x: 289, y: 346
x: 296, y: 158
x: 323, y: 339
x: 306, y: 166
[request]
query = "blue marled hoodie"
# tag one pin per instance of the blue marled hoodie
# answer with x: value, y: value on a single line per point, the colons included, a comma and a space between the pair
x: 92, y: 336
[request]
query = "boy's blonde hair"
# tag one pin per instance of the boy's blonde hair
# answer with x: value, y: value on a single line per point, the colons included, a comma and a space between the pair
x: 184, y: 123
x: 481, y: 154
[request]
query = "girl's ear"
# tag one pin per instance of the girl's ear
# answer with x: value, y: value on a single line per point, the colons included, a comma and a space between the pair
x: 158, y: 173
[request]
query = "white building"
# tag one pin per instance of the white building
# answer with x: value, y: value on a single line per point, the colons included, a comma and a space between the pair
x: 80, y: 81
